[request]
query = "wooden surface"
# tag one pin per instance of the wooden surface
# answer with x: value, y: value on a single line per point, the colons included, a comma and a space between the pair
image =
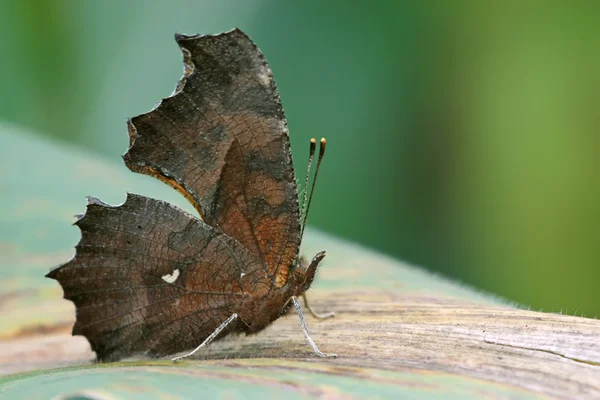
x: 398, y: 330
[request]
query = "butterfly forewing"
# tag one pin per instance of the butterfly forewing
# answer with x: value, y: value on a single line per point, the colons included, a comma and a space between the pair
x: 222, y: 140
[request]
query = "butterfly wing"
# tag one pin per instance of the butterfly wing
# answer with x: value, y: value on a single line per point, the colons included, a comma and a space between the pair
x: 149, y: 278
x: 222, y: 141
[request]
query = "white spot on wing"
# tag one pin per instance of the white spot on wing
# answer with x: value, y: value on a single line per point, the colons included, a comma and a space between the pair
x: 242, y: 275
x: 170, y: 278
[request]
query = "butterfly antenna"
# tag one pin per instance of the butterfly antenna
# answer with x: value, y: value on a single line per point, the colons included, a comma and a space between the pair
x: 312, y: 188
x: 311, y: 156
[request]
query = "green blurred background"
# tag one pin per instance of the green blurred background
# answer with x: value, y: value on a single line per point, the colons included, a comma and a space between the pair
x: 463, y: 136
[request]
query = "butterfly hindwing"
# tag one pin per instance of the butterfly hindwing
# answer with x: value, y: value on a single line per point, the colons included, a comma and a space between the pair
x: 146, y: 272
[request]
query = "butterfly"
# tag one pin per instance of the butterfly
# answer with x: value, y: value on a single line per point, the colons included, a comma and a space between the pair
x: 150, y: 278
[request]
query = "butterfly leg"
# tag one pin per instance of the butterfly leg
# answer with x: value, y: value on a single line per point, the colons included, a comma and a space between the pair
x: 314, y: 313
x: 303, y: 324
x: 208, y: 339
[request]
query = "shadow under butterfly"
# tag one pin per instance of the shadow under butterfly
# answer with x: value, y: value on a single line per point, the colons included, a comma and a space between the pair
x: 147, y: 277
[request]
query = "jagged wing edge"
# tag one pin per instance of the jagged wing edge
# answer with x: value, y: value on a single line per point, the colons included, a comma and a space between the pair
x: 189, y: 69
x: 94, y: 201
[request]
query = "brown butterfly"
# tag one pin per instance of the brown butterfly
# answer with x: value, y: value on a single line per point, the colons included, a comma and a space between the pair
x: 147, y: 277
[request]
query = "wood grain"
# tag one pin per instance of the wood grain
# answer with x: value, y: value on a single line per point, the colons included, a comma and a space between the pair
x: 398, y: 330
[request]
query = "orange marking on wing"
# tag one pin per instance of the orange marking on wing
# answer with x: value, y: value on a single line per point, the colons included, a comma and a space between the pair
x: 173, y: 183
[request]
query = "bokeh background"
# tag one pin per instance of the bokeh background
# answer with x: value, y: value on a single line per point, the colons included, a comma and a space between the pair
x: 463, y: 136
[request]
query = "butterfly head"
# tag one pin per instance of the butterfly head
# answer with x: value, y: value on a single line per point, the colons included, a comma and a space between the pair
x: 303, y: 275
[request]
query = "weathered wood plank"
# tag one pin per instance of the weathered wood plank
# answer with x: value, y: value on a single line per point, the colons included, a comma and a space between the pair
x: 399, y: 331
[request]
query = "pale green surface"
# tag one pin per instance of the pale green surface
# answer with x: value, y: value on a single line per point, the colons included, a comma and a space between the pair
x: 37, y: 212
x: 253, y: 379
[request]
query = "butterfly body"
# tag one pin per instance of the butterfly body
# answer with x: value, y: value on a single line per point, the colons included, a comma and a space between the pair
x: 150, y: 278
